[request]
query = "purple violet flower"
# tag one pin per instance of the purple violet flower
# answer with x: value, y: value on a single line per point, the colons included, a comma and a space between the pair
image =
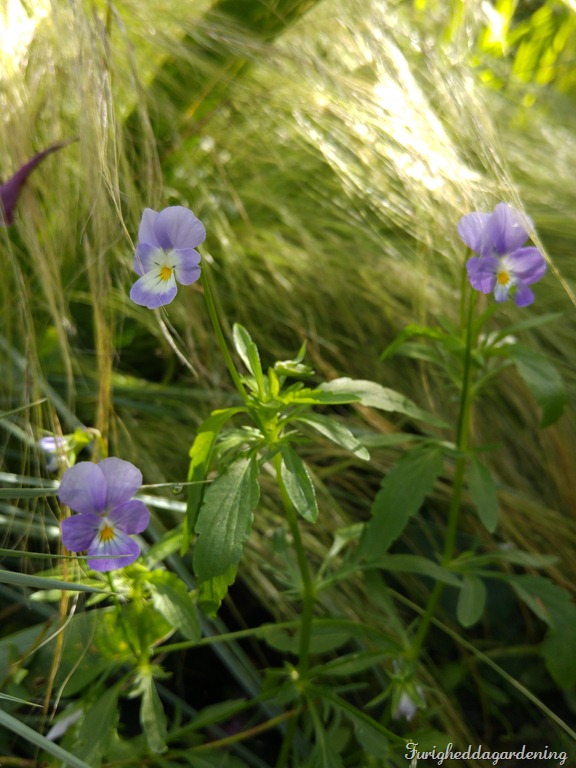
x: 10, y: 190
x: 102, y: 495
x: 502, y: 266
x: 55, y: 448
x: 166, y: 253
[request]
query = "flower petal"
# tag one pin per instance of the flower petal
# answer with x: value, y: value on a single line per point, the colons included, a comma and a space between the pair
x: 119, y: 551
x: 177, y: 227
x: 482, y: 272
x: 123, y: 479
x: 78, y: 531
x: 472, y: 228
x: 185, y: 262
x: 131, y: 517
x: 152, y: 291
x: 147, y: 257
x: 527, y: 264
x: 508, y: 228
x: 501, y: 291
x: 83, y: 488
x: 146, y: 231
x: 523, y: 296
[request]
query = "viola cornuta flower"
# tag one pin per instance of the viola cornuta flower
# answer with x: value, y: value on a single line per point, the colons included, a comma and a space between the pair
x: 55, y: 448
x: 166, y: 254
x: 503, y: 266
x: 102, y: 495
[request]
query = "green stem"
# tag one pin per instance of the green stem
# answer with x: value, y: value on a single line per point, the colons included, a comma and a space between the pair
x: 462, y: 431
x: 308, y: 596
x: 213, y: 313
x: 308, y: 592
x: 137, y: 655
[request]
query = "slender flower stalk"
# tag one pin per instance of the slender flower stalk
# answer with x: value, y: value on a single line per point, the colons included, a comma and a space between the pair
x: 462, y: 432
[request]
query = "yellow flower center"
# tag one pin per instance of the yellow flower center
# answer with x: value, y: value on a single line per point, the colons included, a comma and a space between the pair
x: 106, y: 533
x: 166, y: 273
x: 503, y: 277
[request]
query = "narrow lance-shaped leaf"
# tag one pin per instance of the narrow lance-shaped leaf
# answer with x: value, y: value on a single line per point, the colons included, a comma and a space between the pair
x: 483, y: 491
x: 374, y: 395
x: 336, y: 432
x: 152, y: 716
x: 400, y: 496
x: 223, y: 526
x: 298, y: 484
x: 248, y: 351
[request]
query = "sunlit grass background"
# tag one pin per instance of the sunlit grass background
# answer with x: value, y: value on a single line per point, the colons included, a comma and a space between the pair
x: 330, y: 149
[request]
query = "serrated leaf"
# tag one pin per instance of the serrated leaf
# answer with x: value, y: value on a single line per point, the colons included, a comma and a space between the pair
x: 298, y: 484
x: 401, y: 495
x: 374, y: 395
x: 224, y: 524
x: 543, y: 381
x: 471, y: 600
x: 173, y: 601
x: 483, y: 492
x: 335, y: 432
x: 200, y: 460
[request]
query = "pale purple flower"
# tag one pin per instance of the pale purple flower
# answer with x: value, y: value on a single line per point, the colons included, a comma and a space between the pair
x: 102, y: 495
x: 502, y: 266
x: 10, y: 190
x: 165, y: 254
x: 55, y: 448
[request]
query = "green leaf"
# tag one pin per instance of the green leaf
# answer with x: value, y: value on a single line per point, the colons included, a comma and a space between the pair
x: 558, y: 650
x: 318, y: 396
x: 350, y: 664
x: 409, y: 332
x: 97, y: 726
x: 173, y: 601
x: 375, y: 395
x: 416, y: 564
x: 152, y: 715
x: 471, y: 600
x: 543, y: 380
x: 401, y: 495
x: 248, y: 351
x: 483, y: 492
x: 547, y: 600
x: 323, y: 639
x: 553, y: 605
x: 35, y: 738
x: 200, y: 460
x: 223, y: 525
x: 336, y: 432
x: 41, y: 582
x: 298, y: 484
